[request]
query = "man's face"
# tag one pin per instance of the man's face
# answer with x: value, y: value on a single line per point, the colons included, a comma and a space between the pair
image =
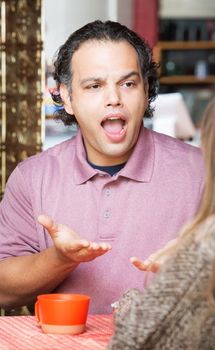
x: 108, y: 99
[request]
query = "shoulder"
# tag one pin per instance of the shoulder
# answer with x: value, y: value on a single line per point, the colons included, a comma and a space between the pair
x: 165, y: 142
x: 177, y: 153
x: 60, y: 153
x: 42, y: 168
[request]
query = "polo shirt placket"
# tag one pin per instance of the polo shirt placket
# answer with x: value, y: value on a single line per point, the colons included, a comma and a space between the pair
x: 106, y: 214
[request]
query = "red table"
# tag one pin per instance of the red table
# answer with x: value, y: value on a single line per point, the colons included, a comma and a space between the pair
x: 24, y: 333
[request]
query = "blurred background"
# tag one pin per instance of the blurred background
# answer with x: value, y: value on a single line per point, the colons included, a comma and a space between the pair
x: 181, y: 34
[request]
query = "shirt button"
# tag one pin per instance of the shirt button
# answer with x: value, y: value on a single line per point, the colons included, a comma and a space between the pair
x: 107, y: 214
x: 108, y: 192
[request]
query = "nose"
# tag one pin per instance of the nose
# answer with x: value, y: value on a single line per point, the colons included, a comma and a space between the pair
x: 112, y: 97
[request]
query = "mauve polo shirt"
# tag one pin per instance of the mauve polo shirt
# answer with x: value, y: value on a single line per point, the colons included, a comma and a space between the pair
x: 137, y: 210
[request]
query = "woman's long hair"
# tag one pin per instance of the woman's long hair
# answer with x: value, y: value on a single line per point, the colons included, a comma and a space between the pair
x: 207, y: 205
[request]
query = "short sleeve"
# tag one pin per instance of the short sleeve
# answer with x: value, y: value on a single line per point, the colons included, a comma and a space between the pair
x: 18, y: 232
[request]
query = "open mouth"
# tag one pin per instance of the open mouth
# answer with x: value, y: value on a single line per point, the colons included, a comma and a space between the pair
x: 114, y: 125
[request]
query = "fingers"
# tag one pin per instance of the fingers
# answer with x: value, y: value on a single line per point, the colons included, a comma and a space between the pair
x: 70, y: 244
x: 86, y: 247
x: 100, y: 249
x: 147, y: 265
x: 84, y: 254
x: 100, y: 246
x: 157, y: 259
x: 96, y: 249
x: 55, y: 229
x: 75, y: 245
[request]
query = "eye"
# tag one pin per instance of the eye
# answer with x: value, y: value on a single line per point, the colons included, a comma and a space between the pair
x: 93, y: 86
x: 128, y: 84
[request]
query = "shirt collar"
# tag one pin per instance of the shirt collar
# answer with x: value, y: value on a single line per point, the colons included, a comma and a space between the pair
x: 139, y: 167
x: 82, y: 169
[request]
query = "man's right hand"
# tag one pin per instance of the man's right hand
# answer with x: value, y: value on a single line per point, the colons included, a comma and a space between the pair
x: 69, y: 245
x: 29, y: 275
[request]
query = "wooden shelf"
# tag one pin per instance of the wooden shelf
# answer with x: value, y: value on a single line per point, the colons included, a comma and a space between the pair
x: 160, y: 51
x: 186, y: 45
x: 186, y: 79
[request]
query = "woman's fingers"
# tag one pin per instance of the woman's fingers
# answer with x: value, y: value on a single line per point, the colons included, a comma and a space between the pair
x: 157, y: 259
x: 146, y: 265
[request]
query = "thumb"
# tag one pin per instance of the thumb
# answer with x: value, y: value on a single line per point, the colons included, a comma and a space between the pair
x: 48, y: 223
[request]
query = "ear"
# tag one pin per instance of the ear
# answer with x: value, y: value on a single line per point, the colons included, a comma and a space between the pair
x: 64, y: 93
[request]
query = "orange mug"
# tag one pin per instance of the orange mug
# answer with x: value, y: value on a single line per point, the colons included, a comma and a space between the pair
x: 62, y: 313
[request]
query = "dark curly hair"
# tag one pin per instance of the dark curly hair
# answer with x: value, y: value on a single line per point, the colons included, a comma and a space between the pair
x: 101, y: 31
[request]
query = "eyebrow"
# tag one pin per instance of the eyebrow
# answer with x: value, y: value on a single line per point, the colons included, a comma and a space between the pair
x: 97, y: 79
x: 90, y: 79
x: 129, y: 75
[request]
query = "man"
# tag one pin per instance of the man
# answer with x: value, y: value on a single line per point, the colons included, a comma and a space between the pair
x: 114, y: 191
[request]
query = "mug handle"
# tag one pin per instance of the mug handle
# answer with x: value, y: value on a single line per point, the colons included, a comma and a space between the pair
x: 36, y: 309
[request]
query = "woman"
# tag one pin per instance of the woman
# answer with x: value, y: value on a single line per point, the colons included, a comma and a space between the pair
x: 177, y: 311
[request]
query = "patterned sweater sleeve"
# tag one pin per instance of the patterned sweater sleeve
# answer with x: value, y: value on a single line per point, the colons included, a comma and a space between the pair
x: 174, y: 312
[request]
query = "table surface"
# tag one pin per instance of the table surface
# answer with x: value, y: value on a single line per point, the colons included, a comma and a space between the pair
x: 24, y: 333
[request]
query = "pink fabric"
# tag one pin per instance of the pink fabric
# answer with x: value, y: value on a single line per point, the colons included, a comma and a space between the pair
x: 138, y: 210
x: 24, y: 333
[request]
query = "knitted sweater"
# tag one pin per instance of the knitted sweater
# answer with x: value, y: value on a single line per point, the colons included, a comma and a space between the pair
x: 174, y: 312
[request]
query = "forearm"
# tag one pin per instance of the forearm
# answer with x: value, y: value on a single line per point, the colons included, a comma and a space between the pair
x: 23, y: 278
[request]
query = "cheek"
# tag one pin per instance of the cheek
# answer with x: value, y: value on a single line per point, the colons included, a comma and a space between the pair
x: 80, y: 108
x: 86, y: 119
x: 137, y: 107
x: 137, y: 99
x: 88, y: 104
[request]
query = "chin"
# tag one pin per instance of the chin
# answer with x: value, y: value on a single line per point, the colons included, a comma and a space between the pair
x: 118, y: 152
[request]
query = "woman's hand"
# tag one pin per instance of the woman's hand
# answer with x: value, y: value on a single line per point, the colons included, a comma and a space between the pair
x: 155, y: 260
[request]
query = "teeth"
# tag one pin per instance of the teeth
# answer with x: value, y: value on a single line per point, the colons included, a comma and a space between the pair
x: 113, y: 118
